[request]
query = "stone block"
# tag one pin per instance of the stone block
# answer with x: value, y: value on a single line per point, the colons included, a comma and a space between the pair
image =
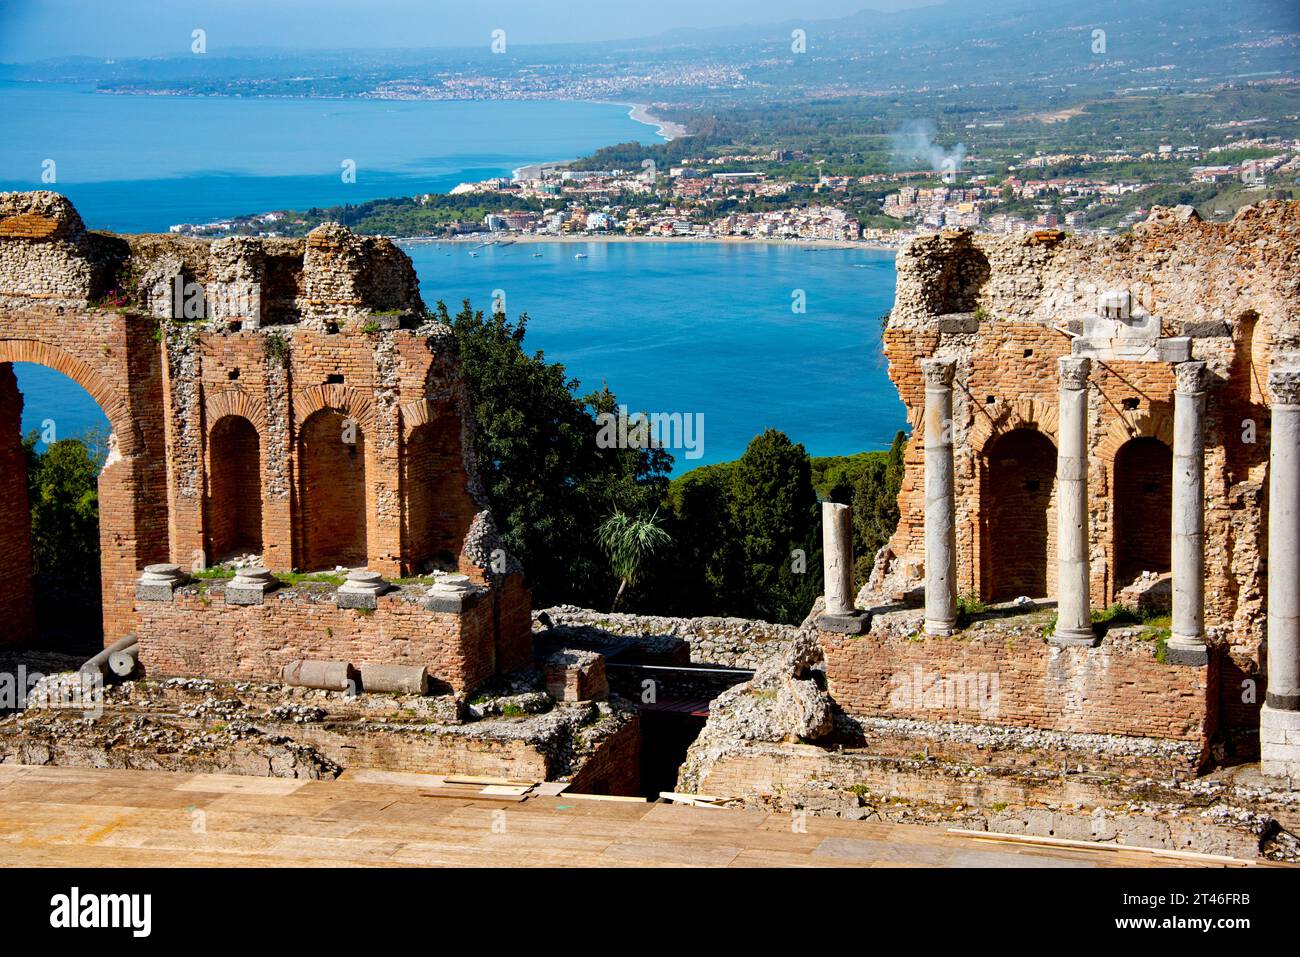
x: 249, y: 587
x: 1177, y: 349
x: 854, y: 624
x: 1279, y: 744
x: 159, y: 582
x: 957, y: 322
x: 1206, y: 330
x: 452, y: 595
x: 362, y: 590
x: 1189, y: 657
x: 363, y: 600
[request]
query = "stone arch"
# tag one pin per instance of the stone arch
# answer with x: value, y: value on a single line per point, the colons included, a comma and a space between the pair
x: 236, y: 402
x: 992, y: 422
x: 332, y: 510
x: 350, y: 402
x: 127, y: 536
x: 1144, y: 423
x: 111, y: 403
x: 233, y: 504
x: 1141, y: 495
x: 1018, y: 515
x: 417, y: 413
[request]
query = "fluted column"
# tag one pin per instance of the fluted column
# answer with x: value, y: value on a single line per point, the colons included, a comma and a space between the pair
x: 1187, y: 548
x: 1279, y: 720
x: 940, y: 514
x: 1073, y: 619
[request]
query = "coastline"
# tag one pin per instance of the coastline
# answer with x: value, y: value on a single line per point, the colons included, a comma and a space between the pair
x: 669, y: 130
x: 482, y: 239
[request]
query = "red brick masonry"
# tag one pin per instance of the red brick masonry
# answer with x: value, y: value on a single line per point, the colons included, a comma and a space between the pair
x: 199, y: 634
x: 1116, y: 688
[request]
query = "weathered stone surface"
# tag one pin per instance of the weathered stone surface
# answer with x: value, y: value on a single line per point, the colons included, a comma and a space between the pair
x: 734, y: 642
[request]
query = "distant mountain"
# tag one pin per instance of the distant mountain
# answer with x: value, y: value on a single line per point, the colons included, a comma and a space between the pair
x: 1094, y: 45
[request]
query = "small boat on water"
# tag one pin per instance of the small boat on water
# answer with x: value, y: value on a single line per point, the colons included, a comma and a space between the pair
x: 474, y: 254
x: 537, y: 255
x: 579, y: 255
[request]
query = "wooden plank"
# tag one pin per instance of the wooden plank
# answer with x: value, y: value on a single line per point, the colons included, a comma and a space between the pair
x: 1097, y: 846
x: 614, y: 798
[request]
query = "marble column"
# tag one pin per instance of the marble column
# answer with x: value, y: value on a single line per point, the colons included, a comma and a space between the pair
x: 837, y: 557
x: 1073, y: 619
x: 1279, y: 720
x: 839, y: 615
x: 1187, y: 548
x: 940, y: 509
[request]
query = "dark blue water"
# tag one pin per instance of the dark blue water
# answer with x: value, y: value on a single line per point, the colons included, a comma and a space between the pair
x: 701, y: 327
x: 692, y: 327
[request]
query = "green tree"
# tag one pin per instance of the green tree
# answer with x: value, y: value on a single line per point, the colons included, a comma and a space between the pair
x: 550, y: 483
x: 63, y: 495
x: 630, y: 542
x: 774, y: 512
x: 702, y: 576
x: 875, y: 504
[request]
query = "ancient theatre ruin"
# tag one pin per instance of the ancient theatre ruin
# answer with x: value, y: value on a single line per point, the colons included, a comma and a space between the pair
x: 315, y: 421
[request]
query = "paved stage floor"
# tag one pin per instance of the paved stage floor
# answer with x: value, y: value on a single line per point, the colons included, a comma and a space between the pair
x: 97, y: 817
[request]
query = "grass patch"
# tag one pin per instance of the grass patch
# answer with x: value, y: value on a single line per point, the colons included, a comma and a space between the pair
x: 219, y: 573
x: 969, y: 606
x: 307, y: 578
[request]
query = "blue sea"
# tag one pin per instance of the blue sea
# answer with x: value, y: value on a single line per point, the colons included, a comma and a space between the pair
x: 703, y: 328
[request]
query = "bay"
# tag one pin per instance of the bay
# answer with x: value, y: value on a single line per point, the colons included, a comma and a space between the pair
x: 144, y: 163
x: 690, y: 327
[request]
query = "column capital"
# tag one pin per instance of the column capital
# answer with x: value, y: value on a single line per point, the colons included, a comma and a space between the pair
x: 1284, y: 385
x: 938, y: 372
x: 1189, y: 378
x: 1074, y: 371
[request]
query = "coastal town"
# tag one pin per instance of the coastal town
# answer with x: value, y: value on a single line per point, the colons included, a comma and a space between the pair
x: 767, y: 196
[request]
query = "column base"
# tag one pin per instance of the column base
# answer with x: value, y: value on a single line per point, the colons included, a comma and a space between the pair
x: 1279, y: 744
x: 1074, y: 638
x: 940, y: 629
x: 854, y: 623
x: 1187, y: 650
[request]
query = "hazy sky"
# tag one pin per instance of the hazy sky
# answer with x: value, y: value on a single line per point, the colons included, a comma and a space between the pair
x: 36, y: 29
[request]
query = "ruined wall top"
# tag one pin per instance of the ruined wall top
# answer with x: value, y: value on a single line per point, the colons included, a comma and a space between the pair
x: 330, y: 279
x: 1188, y: 277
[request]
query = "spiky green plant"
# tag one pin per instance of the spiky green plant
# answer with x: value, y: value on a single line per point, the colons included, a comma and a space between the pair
x: 629, y: 541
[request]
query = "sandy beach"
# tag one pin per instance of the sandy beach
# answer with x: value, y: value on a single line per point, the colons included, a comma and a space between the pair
x: 665, y: 128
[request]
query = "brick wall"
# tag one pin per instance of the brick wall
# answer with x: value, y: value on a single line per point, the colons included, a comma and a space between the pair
x: 199, y: 634
x: 996, y: 678
x: 115, y: 359
x: 438, y: 511
x: 1143, y: 499
x: 514, y: 623
x: 616, y: 767
x: 1018, y: 522
x: 16, y: 609
x: 234, y: 508
x: 332, y: 492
